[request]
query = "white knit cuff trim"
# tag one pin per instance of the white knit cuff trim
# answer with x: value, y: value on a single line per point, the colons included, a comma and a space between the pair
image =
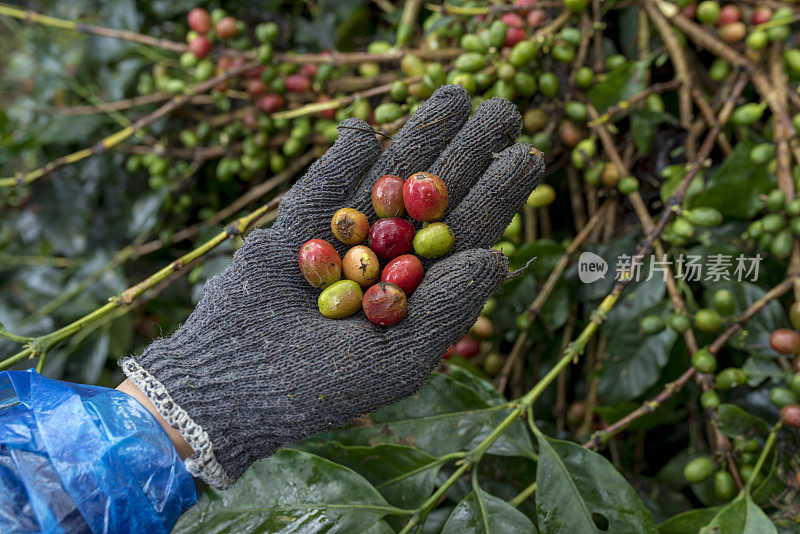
x: 203, y: 463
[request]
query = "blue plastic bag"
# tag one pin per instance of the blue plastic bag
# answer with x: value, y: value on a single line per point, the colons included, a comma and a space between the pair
x: 77, y: 458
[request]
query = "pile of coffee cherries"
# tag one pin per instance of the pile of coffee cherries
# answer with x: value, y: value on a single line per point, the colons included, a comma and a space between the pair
x: 392, y: 239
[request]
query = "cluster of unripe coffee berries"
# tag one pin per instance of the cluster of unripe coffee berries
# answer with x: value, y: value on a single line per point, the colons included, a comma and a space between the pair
x: 392, y: 238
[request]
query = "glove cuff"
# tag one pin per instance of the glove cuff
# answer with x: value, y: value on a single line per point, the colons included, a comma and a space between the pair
x: 203, y: 463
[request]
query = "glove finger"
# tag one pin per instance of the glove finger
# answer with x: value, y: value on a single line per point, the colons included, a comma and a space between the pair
x: 448, y: 301
x: 493, y: 127
x: 420, y: 141
x: 480, y: 218
x: 330, y: 182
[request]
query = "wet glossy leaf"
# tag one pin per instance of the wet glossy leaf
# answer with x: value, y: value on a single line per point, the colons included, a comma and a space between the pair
x: 291, y: 492
x: 740, y: 516
x: 384, y: 466
x: 580, y: 491
x: 688, y: 522
x: 483, y: 513
x: 444, y: 416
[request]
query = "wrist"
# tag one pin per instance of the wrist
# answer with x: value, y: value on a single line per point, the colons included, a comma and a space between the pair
x: 184, y: 449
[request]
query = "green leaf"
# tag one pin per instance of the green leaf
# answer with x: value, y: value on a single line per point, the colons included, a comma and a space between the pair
x: 443, y: 417
x: 635, y: 360
x: 381, y: 464
x: 688, y: 522
x: 740, y: 516
x: 481, y: 512
x: 580, y: 491
x: 619, y: 85
x: 736, y: 184
x: 293, y: 491
x: 733, y: 421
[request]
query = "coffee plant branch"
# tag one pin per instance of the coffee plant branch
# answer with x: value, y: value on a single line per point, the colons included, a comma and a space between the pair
x: 38, y: 345
x: 115, y: 139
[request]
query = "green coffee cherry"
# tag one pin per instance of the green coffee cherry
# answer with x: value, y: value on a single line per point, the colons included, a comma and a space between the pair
x: 506, y: 247
x: 514, y: 227
x: 757, y: 40
x: 730, y: 378
x: 489, y: 307
x: 775, y: 200
x: 584, y: 78
x: 470, y: 62
x: 719, y: 69
x: 724, y: 302
x: 388, y: 112
x: 773, y: 223
x: 747, y: 114
x: 583, y: 152
x: 523, y: 54
x: 433, y: 241
x: 708, y: 12
x: 682, y: 228
x: 472, y: 43
x: 724, y: 486
x: 563, y: 53
x: 525, y: 84
x: 780, y: 396
x: 628, y: 185
x: 652, y: 324
x: 709, y: 400
x: 542, y: 196
x: 576, y: 6
x: 698, y: 469
x: 794, y: 383
x: 703, y: 216
x: 341, y: 299
x: 781, y: 246
x: 709, y: 321
x: 704, y: 361
x: 267, y: 32
x: 762, y: 153
x: 679, y: 323
x: 548, y: 84
x: 576, y: 111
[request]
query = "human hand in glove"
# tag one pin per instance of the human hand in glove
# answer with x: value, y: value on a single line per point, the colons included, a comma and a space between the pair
x: 256, y: 365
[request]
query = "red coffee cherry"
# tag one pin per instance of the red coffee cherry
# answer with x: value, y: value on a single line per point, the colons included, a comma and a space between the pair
x: 199, y: 20
x: 391, y: 237
x: 425, y: 196
x: 384, y: 304
x: 404, y: 271
x: 319, y: 263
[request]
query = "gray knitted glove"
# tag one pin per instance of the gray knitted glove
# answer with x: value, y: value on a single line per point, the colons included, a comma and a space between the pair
x: 256, y: 365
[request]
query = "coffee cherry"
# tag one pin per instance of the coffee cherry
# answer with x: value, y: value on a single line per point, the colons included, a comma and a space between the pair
x: 349, y: 226
x: 794, y: 315
x: 319, y: 263
x: 385, y: 304
x: 724, y: 486
x: 704, y: 361
x: 425, y: 196
x: 628, y: 185
x: 730, y: 378
x: 698, y: 469
x: 467, y: 347
x: 506, y: 247
x: 199, y: 20
x: 708, y: 12
x: 709, y: 321
x: 514, y: 36
x: 790, y: 415
x: 387, y: 196
x: 679, y: 322
x: 785, y: 341
x: 341, y: 299
x: 227, y: 28
x: 536, y: 17
x: 652, y: 324
x: 748, y: 471
x: 200, y: 47
x: 747, y: 114
x: 270, y: 103
x: 724, y: 302
x: 709, y: 400
x: 548, y: 84
x: 297, y: 83
x: 404, y: 271
x: 391, y: 237
x: 361, y: 265
x: 733, y: 32
x: 493, y: 363
x: 543, y: 195
x: 433, y: 241
x: 489, y: 307
x: 482, y: 328
x: 719, y: 69
x: 761, y: 15
x: 780, y: 397
x: 728, y: 14
x: 757, y: 40
x: 576, y: 6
